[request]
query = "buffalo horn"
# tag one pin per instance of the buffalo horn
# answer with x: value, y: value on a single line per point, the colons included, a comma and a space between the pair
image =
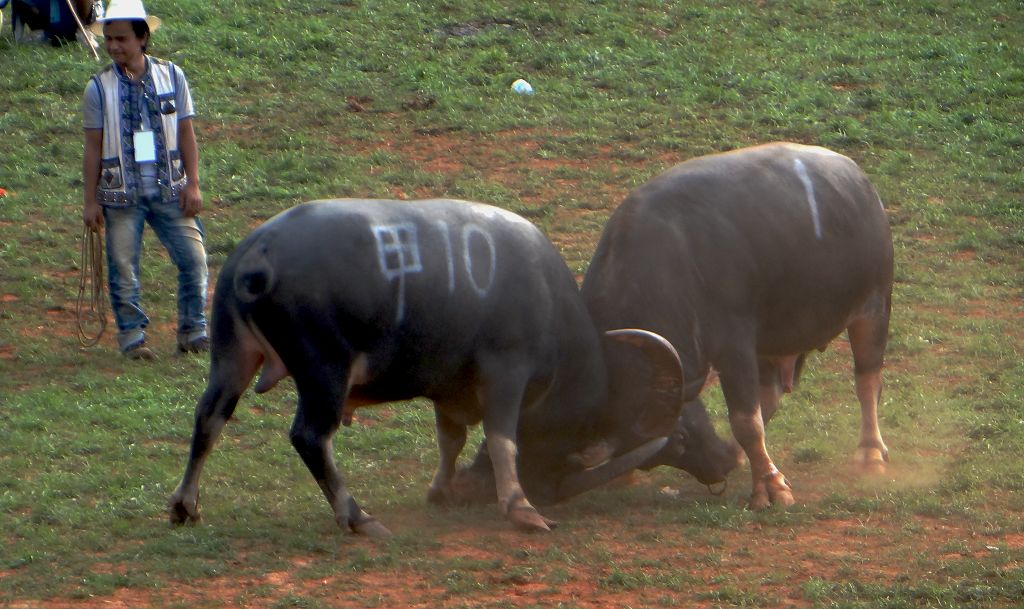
x: 583, y: 481
x: 666, y: 393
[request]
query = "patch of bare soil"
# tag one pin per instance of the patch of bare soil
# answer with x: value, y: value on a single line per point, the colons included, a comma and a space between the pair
x: 505, y: 158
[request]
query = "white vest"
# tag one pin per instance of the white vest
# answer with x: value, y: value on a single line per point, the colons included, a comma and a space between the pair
x: 112, y: 189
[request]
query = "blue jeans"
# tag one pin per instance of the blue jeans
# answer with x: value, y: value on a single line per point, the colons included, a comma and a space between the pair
x: 183, y: 239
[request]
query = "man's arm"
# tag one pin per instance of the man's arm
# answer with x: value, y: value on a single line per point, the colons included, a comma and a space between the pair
x: 191, y: 197
x: 92, y: 214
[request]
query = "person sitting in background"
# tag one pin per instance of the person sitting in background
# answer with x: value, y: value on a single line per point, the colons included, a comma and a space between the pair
x: 53, y: 21
x: 141, y: 165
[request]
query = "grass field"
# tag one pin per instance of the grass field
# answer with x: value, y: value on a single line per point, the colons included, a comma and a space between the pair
x: 384, y: 98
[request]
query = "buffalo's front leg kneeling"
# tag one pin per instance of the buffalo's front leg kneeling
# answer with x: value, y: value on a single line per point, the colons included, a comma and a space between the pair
x: 440, y: 495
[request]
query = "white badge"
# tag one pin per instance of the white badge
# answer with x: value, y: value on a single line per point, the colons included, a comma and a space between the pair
x: 145, y: 147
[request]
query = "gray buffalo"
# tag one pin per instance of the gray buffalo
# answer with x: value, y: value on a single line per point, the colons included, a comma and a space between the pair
x: 366, y: 301
x: 746, y: 261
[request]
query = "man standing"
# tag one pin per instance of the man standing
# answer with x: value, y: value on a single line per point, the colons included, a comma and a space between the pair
x: 141, y: 166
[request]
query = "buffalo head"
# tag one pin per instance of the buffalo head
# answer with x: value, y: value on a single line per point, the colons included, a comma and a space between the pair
x: 645, y: 422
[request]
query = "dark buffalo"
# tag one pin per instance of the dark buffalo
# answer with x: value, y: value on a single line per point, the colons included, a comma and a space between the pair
x: 365, y: 302
x: 745, y: 261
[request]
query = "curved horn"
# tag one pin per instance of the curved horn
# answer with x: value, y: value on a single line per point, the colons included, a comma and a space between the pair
x: 658, y: 417
x: 579, y: 482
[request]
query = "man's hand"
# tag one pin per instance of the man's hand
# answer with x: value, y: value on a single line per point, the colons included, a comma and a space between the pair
x: 92, y: 216
x: 191, y: 200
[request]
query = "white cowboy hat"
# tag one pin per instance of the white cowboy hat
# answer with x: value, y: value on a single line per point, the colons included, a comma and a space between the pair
x: 124, y: 10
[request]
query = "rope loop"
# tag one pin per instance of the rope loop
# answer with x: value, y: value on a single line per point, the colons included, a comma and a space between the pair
x: 91, y: 308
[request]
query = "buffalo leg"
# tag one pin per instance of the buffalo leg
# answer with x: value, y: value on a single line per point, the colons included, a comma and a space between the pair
x: 740, y: 384
x: 867, y: 341
x: 451, y: 438
x: 316, y: 421
x: 778, y: 376
x: 230, y: 374
x: 770, y: 389
x: 500, y: 397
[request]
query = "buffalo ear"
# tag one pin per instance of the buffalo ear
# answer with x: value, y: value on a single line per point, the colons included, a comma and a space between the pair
x: 660, y: 403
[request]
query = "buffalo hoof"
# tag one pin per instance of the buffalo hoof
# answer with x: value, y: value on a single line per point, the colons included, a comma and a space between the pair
x: 759, y: 501
x: 527, y: 518
x: 871, y: 460
x: 372, y: 528
x: 182, y: 512
x: 440, y: 496
x: 774, y: 489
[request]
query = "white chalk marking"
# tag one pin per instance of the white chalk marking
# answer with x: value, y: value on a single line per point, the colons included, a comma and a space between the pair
x: 467, y: 233
x: 448, y: 255
x: 398, y: 253
x: 801, y: 172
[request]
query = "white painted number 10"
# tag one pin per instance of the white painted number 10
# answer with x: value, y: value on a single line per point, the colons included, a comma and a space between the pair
x: 399, y: 255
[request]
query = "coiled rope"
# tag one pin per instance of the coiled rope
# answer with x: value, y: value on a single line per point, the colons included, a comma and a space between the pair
x: 94, y: 307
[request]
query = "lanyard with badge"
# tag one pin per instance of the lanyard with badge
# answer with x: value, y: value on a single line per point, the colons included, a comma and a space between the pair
x: 143, y: 139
